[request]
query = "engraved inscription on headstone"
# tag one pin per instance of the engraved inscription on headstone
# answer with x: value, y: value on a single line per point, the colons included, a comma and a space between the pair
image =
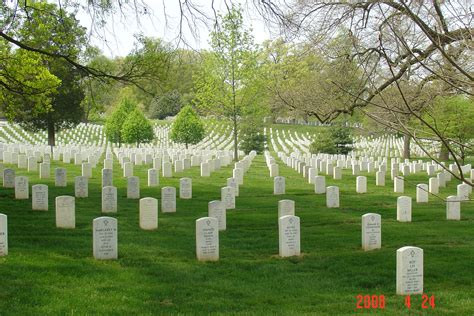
x: 105, y: 238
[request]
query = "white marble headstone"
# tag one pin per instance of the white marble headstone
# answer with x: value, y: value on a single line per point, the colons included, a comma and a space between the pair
x: 39, y: 197
x: 289, y: 236
x: 371, y: 231
x: 409, y: 271
x: 207, y: 239
x: 65, y: 212
x: 148, y: 213
x: 105, y: 238
x: 168, y: 199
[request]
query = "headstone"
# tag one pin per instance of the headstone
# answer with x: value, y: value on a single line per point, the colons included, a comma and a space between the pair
x: 107, y: 177
x: 337, y: 173
x: 166, y: 171
x: 205, y: 172
x: 228, y: 197
x: 217, y: 210
x: 422, y: 193
x: 371, y: 231
x: 105, y: 238
x: 274, y: 172
x: 286, y: 207
x: 108, y: 163
x: 238, y: 173
x: 453, y: 208
x: 153, y: 179
x: 22, y: 162
x: 319, y: 185
x: 185, y: 188
x: 32, y: 164
x: 60, y: 177
x: 332, y: 197
x: 22, y: 188
x: 148, y: 213
x: 278, y: 185
x: 398, y: 184
x: 207, y: 239
x: 3, y: 235
x: 65, y: 212
x: 127, y: 170
x: 133, y: 188
x: 289, y: 236
x: 168, y: 199
x: 39, y: 197
x: 178, y: 166
x: 232, y: 182
x: 409, y: 271
x: 109, y: 199
x: 45, y: 170
x: 380, y: 178
x: 361, y: 184
x: 81, y: 187
x: 463, y: 191
x: 8, y: 178
x: 404, y: 209
x: 433, y: 186
x: 312, y: 172
x: 87, y: 170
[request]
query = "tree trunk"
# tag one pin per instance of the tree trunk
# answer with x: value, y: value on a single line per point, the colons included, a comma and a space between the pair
x: 51, y: 135
x: 444, y: 153
x: 186, y: 145
x: 406, y: 146
x: 236, y: 149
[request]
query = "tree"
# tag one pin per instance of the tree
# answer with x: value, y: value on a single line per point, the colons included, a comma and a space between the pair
x: 422, y: 43
x: 333, y: 140
x: 137, y: 129
x: 61, y: 108
x: 252, y: 137
x: 187, y: 127
x: 115, y: 122
x: 165, y: 105
x: 24, y: 80
x: 228, y: 83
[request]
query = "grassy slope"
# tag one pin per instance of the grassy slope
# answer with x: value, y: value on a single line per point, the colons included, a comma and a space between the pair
x: 51, y: 271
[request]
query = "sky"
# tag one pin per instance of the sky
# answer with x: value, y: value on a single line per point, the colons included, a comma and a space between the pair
x: 117, y: 39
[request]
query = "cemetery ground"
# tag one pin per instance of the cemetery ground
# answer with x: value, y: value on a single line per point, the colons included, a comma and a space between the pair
x: 52, y: 271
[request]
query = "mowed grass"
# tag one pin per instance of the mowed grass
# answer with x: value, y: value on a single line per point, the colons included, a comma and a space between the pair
x: 51, y: 271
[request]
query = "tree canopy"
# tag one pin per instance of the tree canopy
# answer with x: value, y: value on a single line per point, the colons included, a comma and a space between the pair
x: 187, y: 128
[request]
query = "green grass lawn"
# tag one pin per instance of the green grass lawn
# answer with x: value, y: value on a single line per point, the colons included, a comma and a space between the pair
x: 51, y: 271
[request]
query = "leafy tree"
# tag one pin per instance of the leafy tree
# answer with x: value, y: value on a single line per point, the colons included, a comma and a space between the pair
x: 137, y: 128
x: 43, y: 31
x: 100, y: 93
x: 188, y: 127
x: 115, y: 122
x: 455, y: 116
x: 165, y: 105
x: 333, y: 140
x: 229, y: 83
x: 252, y: 137
x: 24, y: 80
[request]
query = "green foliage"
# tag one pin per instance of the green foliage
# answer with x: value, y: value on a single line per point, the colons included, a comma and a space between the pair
x: 165, y: 105
x: 230, y: 81
x: 334, y: 140
x: 453, y: 117
x: 57, y: 106
x: 188, y: 127
x: 137, y: 128
x: 251, y: 136
x: 115, y: 122
x: 25, y: 80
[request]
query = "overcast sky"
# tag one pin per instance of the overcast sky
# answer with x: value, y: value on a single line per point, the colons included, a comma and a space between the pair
x: 119, y: 34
